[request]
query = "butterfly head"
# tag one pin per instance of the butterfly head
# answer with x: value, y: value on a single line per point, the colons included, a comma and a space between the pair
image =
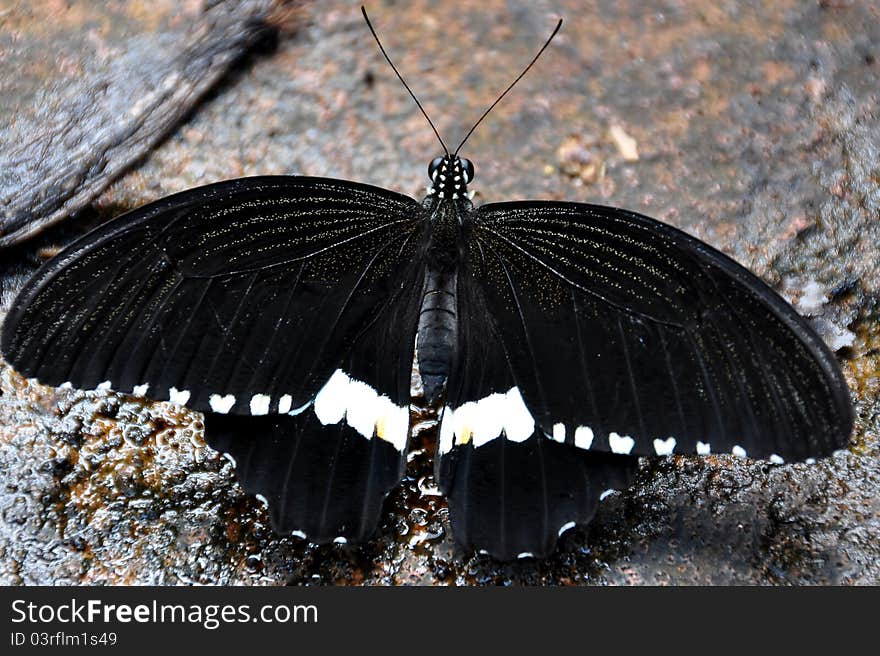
x: 450, y: 176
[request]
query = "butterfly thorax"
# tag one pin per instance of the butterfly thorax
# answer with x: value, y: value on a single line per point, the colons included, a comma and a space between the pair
x: 447, y: 219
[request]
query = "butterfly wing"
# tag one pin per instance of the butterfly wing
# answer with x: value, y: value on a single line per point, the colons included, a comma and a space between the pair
x: 294, y: 299
x: 589, y: 335
x: 625, y: 335
x: 246, y: 287
x: 320, y: 481
x: 512, y: 492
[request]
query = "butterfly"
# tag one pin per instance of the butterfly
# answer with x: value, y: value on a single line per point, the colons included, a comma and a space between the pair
x: 561, y: 342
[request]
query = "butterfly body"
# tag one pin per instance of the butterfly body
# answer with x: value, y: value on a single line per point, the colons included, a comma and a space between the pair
x: 448, y: 212
x: 437, y: 331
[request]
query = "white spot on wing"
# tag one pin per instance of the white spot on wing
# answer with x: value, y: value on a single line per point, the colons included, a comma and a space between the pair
x: 776, y: 460
x: 106, y: 385
x: 606, y: 494
x: 284, y: 403
x: 141, y: 390
x: 298, y: 534
x: 738, y: 451
x: 525, y: 554
x: 518, y: 422
x: 260, y: 404
x: 330, y: 402
x: 621, y: 443
x: 363, y: 408
x: 810, y: 461
x: 664, y: 447
x: 484, y: 420
x: 340, y: 540
x: 393, y: 423
x: 221, y: 404
x: 559, y: 432
x: 703, y: 448
x: 180, y: 397
x: 565, y: 527
x: 262, y: 499
x: 583, y: 437
x: 66, y: 385
x: 447, y: 432
x: 481, y: 421
x: 300, y: 410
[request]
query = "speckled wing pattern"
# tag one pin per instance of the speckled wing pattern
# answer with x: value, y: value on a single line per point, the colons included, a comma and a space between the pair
x: 265, y: 303
x: 625, y: 335
x: 246, y: 287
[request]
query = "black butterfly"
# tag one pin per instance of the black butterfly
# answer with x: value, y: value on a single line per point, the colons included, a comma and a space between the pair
x: 563, y: 340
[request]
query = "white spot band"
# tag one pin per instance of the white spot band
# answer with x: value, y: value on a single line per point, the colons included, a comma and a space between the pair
x: 664, y: 447
x: 221, y: 404
x: 260, y: 404
x: 180, y: 397
x: 622, y: 444
x: 482, y: 421
x: 363, y: 408
x: 583, y: 437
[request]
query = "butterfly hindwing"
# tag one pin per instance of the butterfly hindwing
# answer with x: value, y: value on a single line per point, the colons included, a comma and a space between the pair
x: 625, y: 335
x: 512, y: 490
x: 323, y: 482
x: 515, y: 499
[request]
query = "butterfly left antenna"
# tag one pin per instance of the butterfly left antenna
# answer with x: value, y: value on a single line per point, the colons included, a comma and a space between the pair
x: 400, y: 77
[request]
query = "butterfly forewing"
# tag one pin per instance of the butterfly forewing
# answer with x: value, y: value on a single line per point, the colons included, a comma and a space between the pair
x: 628, y: 336
x: 249, y: 288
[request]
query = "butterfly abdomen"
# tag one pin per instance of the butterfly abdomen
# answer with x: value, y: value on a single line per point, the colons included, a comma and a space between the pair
x: 437, y: 332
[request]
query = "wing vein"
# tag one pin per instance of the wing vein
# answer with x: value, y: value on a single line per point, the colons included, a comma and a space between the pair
x: 586, y: 290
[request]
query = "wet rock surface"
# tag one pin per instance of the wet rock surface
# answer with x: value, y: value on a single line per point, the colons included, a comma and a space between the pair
x: 754, y: 126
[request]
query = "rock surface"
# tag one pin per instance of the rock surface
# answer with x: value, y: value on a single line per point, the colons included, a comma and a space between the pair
x: 754, y: 126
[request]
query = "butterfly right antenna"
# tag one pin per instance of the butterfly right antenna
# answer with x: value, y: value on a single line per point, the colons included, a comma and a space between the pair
x: 519, y: 77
